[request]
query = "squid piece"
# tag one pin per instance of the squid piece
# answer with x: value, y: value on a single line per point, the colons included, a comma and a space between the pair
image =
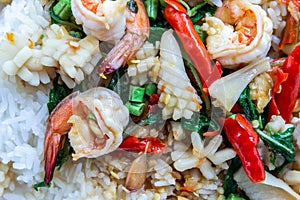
x: 271, y: 188
x: 94, y: 121
x: 178, y: 98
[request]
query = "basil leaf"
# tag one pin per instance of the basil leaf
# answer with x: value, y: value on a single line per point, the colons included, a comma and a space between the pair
x: 281, y: 142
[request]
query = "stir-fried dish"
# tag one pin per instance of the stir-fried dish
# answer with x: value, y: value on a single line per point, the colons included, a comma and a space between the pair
x: 154, y: 99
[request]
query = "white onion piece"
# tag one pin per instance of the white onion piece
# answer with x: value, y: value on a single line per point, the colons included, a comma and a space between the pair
x: 270, y: 188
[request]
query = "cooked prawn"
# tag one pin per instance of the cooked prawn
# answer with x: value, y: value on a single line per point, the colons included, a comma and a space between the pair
x: 239, y: 32
x: 112, y: 21
x: 94, y: 121
x: 137, y: 31
x: 105, y: 20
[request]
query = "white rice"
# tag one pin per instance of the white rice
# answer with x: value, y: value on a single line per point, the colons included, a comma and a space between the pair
x: 22, y: 130
x: 21, y: 159
x: 277, y: 12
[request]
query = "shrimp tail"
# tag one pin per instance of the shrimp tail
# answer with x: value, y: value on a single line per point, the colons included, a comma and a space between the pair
x: 51, y: 155
x: 137, y: 31
x: 56, y: 130
x: 121, y: 53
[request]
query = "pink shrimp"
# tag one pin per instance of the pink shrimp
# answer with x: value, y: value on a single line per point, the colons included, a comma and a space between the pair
x: 57, y: 128
x: 93, y: 121
x: 137, y: 31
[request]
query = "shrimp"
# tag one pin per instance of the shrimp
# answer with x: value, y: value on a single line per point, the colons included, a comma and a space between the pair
x: 105, y: 20
x: 94, y: 121
x: 112, y: 21
x: 239, y: 32
x: 137, y: 31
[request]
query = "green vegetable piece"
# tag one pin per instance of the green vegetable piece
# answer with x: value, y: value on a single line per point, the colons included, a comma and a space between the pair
x: 135, y: 108
x: 162, y: 3
x: 203, y: 35
x: 136, y: 94
x: 63, y: 9
x: 198, y: 82
x: 64, y: 154
x: 199, y: 123
x: 57, y: 93
x: 248, y: 106
x: 70, y: 24
x: 198, y: 12
x: 155, y: 33
x: 194, y: 10
x: 153, y: 117
x: 150, y: 88
x: 76, y: 34
x: 120, y: 84
x: 234, y: 197
x: 230, y: 185
x: 41, y: 184
x: 151, y: 7
x: 281, y: 143
x: 250, y: 109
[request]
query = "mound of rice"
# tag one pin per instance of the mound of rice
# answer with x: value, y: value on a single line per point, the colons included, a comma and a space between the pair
x: 21, y: 160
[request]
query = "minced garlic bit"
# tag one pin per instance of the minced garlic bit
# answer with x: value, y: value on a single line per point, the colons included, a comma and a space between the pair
x: 115, y: 175
x: 260, y: 89
x: 10, y: 37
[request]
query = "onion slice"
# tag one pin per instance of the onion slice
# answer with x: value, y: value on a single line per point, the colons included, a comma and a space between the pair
x: 137, y: 173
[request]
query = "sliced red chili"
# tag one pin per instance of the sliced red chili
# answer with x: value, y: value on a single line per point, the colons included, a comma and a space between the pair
x: 177, y: 17
x: 153, y: 99
x: 243, y: 138
x: 296, y: 2
x: 290, y: 33
x: 153, y: 144
x: 278, y: 77
x: 244, y: 123
x: 283, y: 102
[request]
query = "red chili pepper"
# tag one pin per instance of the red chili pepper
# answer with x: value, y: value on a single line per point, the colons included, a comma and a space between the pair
x: 186, y: 189
x: 290, y: 33
x: 285, y: 100
x: 278, y: 77
x: 244, y: 123
x: 153, y: 99
x: 211, y: 133
x: 177, y: 17
x: 296, y: 2
x: 132, y: 143
x: 236, y: 108
x: 243, y: 138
